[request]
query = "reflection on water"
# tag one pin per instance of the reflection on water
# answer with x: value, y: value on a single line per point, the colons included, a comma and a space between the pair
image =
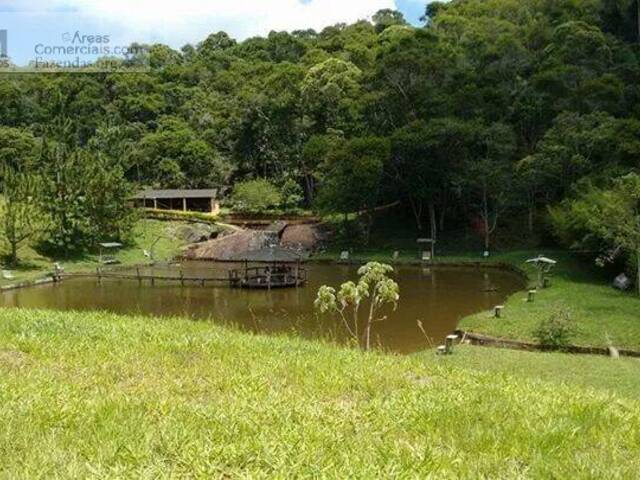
x: 438, y: 297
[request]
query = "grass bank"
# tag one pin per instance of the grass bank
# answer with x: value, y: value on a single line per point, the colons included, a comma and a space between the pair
x: 99, y: 395
x: 163, y: 237
x: 603, y: 316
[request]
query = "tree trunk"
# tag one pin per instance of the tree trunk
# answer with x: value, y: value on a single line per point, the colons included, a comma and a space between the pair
x: 433, y: 221
x: 443, y: 213
x: 485, y: 218
x: 638, y: 266
x: 309, y: 189
x: 416, y: 208
x: 13, y: 258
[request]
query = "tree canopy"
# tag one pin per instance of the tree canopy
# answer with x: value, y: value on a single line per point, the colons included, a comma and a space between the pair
x: 481, y: 117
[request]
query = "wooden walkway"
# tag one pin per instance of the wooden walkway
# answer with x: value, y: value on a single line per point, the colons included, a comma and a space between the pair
x: 252, y: 278
x: 140, y: 277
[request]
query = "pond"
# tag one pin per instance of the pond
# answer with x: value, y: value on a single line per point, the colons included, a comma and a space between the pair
x: 438, y: 297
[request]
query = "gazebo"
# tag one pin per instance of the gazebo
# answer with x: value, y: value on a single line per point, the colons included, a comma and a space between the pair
x: 544, y: 266
x: 277, y: 268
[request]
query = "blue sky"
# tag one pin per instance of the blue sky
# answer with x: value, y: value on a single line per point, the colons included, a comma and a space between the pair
x: 36, y: 25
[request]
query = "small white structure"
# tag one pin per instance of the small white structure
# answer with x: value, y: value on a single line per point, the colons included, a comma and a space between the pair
x: 7, y: 275
x: 344, y: 256
x: 622, y: 282
x: 545, y: 266
x: 424, y: 255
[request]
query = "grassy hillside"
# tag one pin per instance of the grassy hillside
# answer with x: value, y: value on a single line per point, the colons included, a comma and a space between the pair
x: 98, y: 395
x: 161, y: 235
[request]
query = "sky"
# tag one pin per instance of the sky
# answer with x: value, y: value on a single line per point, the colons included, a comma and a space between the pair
x: 38, y: 28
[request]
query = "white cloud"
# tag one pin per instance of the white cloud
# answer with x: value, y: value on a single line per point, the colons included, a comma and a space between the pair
x: 190, y: 21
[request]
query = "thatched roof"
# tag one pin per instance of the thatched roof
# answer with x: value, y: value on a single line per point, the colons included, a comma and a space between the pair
x: 268, y: 255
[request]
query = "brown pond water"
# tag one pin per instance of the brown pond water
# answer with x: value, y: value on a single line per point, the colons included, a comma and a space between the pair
x: 438, y: 297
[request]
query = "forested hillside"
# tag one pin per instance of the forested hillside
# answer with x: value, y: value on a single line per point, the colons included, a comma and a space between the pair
x: 487, y: 114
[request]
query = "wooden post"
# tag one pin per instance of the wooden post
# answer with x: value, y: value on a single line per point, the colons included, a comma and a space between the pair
x: 531, y: 296
x: 155, y: 203
x: 99, y: 275
x: 184, y: 204
x: 449, y: 343
x: 497, y: 312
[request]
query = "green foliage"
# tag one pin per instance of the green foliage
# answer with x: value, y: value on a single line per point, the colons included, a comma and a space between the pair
x: 494, y: 110
x: 256, y: 196
x: 557, y: 331
x: 375, y: 286
x: 21, y: 219
x: 603, y: 216
x: 18, y: 148
x: 179, y: 215
x: 85, y: 197
x: 292, y: 194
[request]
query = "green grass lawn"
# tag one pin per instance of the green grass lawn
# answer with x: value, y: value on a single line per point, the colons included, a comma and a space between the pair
x: 145, y: 233
x: 598, y: 373
x: 603, y: 316
x: 99, y: 395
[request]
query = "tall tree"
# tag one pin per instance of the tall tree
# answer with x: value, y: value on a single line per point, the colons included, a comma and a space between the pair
x: 20, y: 218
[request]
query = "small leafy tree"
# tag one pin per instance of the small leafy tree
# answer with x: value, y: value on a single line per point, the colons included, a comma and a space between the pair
x: 292, y: 194
x: 256, y: 196
x: 20, y: 217
x: 557, y: 331
x: 374, y: 285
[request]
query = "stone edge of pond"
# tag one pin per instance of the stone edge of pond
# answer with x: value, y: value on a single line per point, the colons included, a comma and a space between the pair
x: 481, y: 340
x: 27, y: 284
x: 417, y: 263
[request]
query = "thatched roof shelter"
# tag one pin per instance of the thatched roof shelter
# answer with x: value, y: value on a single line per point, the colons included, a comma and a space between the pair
x: 268, y: 255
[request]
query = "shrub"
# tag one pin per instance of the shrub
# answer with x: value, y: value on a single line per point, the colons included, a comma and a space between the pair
x: 557, y: 331
x: 256, y: 196
x: 180, y: 215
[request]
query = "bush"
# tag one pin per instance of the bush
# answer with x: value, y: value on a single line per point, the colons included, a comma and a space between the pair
x: 557, y: 331
x: 256, y: 196
x: 179, y: 215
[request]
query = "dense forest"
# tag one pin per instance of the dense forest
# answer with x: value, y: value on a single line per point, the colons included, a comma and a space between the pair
x: 495, y: 113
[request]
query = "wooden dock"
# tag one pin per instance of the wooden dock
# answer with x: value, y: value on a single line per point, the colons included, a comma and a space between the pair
x: 252, y: 278
x: 141, y: 277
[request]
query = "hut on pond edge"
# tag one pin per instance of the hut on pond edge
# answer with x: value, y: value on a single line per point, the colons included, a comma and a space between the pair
x: 276, y: 268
